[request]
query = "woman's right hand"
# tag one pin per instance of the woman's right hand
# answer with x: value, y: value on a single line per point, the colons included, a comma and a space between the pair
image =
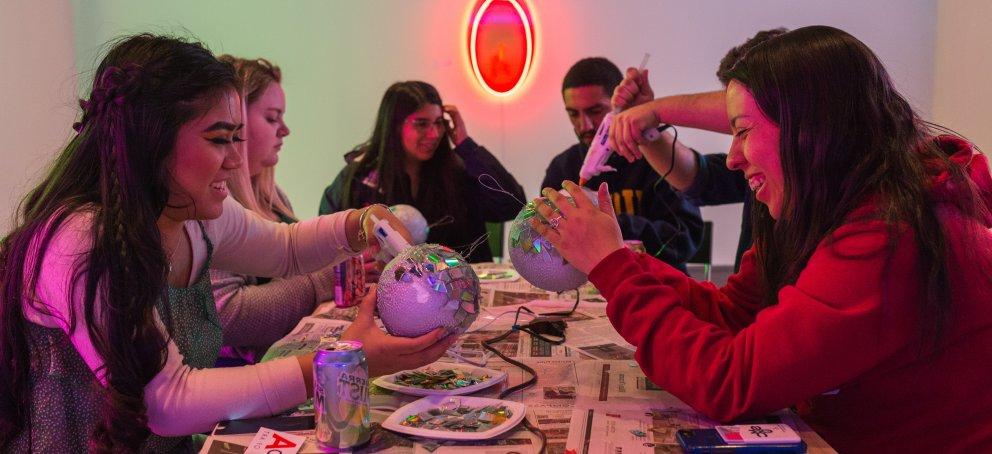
x: 388, y: 354
x: 382, y: 212
x: 362, y: 220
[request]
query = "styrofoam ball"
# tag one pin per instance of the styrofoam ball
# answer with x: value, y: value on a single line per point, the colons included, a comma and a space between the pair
x: 425, y: 287
x: 413, y: 220
x: 536, y: 259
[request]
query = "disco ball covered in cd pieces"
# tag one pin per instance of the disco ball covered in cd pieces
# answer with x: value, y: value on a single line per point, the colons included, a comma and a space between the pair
x: 413, y: 220
x: 425, y: 287
x: 536, y: 259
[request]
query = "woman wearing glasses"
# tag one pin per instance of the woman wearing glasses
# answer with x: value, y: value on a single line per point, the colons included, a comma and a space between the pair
x: 415, y: 157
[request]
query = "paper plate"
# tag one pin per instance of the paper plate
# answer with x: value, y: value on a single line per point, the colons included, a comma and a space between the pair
x: 517, y: 409
x: 495, y: 376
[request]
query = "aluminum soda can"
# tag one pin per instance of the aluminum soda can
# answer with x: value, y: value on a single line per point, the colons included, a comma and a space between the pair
x: 341, y: 396
x: 349, y: 282
x: 635, y: 245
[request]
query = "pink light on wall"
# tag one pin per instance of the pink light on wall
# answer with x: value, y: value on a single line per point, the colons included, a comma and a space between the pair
x: 501, y: 45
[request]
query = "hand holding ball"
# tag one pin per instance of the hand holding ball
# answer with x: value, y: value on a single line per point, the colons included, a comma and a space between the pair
x: 427, y: 286
x: 536, y: 259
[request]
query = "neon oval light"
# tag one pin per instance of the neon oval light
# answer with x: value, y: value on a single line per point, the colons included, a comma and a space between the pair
x: 501, y: 46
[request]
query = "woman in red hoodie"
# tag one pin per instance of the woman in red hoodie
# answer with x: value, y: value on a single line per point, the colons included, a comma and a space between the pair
x: 866, y: 300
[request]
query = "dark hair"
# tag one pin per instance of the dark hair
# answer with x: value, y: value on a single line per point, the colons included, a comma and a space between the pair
x: 442, y: 177
x: 846, y: 137
x: 593, y: 71
x: 738, y: 52
x: 114, y: 169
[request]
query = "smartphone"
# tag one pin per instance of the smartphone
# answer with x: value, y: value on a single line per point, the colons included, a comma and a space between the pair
x: 702, y: 441
x: 280, y: 423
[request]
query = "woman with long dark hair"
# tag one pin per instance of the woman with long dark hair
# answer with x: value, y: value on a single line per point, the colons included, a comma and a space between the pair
x: 107, y: 324
x: 410, y: 160
x: 865, y: 298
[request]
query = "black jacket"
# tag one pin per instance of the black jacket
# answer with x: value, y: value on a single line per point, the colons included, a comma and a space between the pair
x: 483, y: 204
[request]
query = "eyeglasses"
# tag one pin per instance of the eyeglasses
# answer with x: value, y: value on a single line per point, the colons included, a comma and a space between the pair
x: 421, y: 125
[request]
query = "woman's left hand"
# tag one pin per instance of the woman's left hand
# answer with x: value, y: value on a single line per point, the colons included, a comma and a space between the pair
x: 381, y: 212
x: 387, y: 354
x: 583, y: 233
x: 458, y: 133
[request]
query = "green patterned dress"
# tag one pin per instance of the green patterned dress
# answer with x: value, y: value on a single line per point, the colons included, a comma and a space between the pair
x: 66, y: 395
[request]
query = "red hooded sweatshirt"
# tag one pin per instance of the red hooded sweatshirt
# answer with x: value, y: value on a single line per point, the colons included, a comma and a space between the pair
x: 843, y: 341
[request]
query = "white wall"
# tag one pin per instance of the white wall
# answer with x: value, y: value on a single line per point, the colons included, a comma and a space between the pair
x: 37, y: 92
x: 962, y: 94
x: 338, y: 57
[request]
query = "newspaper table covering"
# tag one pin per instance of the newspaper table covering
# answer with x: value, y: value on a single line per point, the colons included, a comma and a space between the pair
x: 590, y: 396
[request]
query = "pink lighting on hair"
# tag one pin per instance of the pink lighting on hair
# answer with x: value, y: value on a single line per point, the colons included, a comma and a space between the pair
x: 501, y: 45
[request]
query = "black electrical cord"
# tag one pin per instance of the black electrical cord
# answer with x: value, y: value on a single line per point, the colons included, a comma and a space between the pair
x: 671, y: 164
x: 570, y: 311
x: 541, y: 328
x: 682, y: 228
x: 528, y: 328
x: 540, y: 435
x: 488, y: 345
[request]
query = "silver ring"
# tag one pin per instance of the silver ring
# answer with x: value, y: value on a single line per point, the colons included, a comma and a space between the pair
x: 554, y: 221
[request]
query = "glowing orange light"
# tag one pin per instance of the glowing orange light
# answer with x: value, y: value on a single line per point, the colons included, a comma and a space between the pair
x: 501, y: 45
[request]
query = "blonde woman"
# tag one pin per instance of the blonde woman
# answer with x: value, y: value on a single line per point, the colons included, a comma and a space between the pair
x: 255, y: 312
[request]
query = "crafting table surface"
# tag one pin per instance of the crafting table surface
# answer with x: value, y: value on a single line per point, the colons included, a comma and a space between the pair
x: 590, y: 396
